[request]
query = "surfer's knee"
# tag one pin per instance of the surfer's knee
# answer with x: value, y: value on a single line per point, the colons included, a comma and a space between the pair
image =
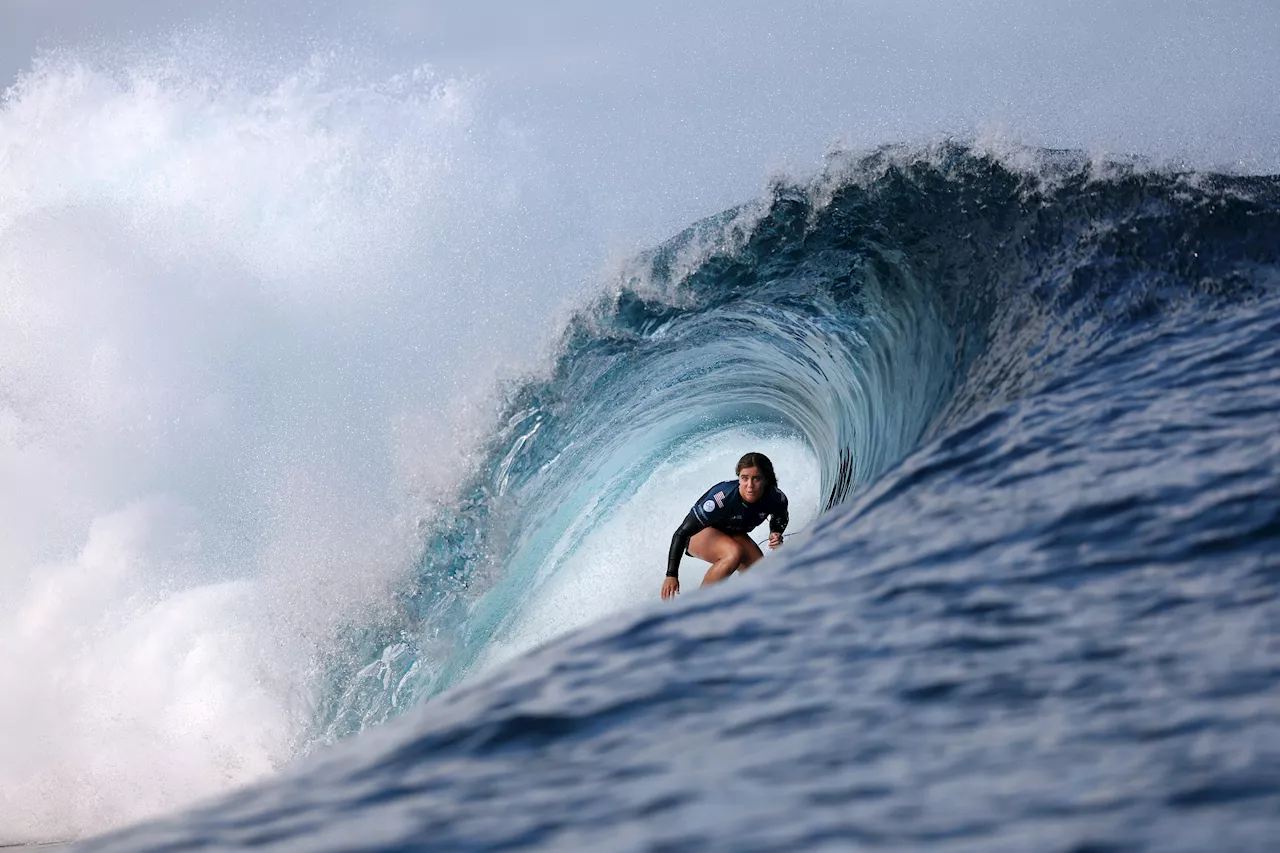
x: 734, y: 553
x: 728, y: 559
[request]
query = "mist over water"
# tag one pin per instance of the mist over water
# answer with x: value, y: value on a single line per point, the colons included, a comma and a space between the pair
x: 243, y: 309
x: 255, y: 290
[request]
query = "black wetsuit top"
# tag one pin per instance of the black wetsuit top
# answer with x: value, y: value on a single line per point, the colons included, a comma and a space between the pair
x: 724, y: 509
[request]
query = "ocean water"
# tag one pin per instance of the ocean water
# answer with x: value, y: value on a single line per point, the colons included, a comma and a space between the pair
x: 1027, y: 405
x: 347, y: 405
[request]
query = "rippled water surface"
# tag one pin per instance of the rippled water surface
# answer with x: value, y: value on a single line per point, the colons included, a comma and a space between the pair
x: 1037, y: 607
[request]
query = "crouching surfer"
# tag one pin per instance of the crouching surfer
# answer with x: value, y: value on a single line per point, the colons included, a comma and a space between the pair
x: 717, y: 528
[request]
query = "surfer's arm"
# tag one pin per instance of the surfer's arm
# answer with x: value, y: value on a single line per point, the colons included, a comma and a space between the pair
x: 778, y: 520
x: 680, y: 541
x: 780, y: 517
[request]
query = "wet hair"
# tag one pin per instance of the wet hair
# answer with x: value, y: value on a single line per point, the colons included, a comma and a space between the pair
x: 758, y: 460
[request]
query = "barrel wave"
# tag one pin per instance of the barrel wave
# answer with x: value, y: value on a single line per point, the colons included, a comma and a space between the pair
x: 1028, y: 402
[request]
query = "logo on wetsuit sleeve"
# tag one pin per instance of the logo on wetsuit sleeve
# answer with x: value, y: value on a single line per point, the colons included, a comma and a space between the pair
x: 708, y: 505
x: 719, y: 499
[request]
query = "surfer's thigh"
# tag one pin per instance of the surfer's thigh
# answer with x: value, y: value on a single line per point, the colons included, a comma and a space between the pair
x: 715, y: 545
x: 750, y: 550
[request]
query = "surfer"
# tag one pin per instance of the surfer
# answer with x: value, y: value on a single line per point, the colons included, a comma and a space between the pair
x: 716, y: 528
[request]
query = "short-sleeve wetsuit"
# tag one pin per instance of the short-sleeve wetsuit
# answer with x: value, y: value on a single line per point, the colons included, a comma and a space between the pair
x: 725, y: 510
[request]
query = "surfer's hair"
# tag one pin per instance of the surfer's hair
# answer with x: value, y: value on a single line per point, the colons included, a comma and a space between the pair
x: 758, y: 460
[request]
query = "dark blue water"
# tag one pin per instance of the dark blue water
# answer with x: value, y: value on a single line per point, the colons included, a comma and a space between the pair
x: 1038, y: 607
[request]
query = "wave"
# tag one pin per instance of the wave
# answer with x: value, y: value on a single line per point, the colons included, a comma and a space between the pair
x: 895, y: 299
x: 1049, y: 614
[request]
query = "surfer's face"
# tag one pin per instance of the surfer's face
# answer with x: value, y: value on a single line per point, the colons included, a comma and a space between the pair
x: 751, y: 484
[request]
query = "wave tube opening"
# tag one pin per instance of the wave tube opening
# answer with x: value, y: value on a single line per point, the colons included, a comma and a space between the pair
x: 792, y: 325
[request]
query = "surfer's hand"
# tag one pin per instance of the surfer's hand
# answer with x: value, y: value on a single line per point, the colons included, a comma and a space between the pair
x: 670, y: 588
x: 775, y: 539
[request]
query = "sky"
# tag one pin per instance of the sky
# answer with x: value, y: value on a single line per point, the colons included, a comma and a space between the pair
x: 708, y: 98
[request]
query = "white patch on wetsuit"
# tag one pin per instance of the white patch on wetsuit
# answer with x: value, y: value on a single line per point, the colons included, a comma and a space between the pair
x: 708, y: 505
x: 719, y: 499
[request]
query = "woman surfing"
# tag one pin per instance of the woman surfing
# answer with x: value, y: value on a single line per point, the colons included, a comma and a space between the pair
x: 717, y: 528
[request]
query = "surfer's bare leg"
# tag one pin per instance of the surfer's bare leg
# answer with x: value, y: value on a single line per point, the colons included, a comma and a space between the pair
x: 725, y: 553
x: 750, y: 550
